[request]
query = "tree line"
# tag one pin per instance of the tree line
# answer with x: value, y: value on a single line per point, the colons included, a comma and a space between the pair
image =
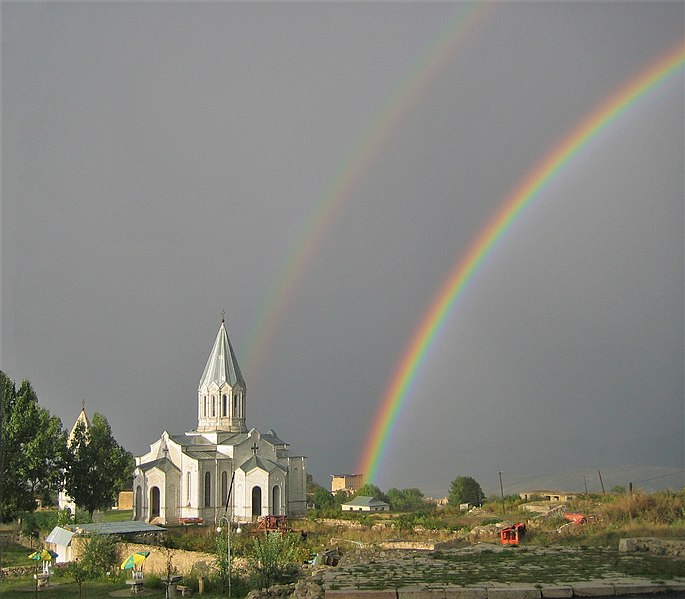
x: 38, y: 460
x: 463, y: 489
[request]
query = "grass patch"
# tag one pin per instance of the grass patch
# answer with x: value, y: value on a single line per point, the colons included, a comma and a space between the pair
x: 61, y: 587
x: 13, y: 554
x: 115, y: 515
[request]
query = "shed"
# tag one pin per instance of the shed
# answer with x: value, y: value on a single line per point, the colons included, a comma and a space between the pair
x: 59, y: 540
x: 363, y: 503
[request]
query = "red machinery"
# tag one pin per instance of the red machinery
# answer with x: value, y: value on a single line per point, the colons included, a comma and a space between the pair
x: 512, y: 534
x: 273, y: 524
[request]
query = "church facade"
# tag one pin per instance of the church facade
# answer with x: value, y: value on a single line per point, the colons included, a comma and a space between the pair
x: 220, y: 468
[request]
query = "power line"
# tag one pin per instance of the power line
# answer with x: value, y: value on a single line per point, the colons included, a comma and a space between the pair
x: 646, y: 480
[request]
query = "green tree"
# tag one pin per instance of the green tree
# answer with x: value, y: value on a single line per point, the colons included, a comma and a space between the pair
x: 406, y: 500
x: 79, y: 575
x: 323, y: 499
x: 369, y: 490
x: 340, y: 497
x: 272, y: 557
x: 97, y: 466
x: 32, y: 450
x: 100, y: 555
x: 465, y: 489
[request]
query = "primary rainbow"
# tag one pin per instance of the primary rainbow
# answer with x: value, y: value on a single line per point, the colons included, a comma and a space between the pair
x: 453, y: 35
x: 546, y: 169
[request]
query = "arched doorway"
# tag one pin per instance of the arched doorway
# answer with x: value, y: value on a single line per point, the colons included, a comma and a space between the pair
x: 276, y: 500
x: 256, y: 501
x: 139, y: 502
x: 154, y: 502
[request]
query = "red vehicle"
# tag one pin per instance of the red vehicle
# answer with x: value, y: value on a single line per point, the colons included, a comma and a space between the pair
x: 512, y: 535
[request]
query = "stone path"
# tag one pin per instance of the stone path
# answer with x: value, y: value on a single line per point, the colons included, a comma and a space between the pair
x: 510, y: 572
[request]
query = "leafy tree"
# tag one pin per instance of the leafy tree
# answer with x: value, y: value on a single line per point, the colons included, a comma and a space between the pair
x: 369, y: 490
x: 100, y: 555
x: 406, y: 500
x: 340, y: 497
x: 79, y: 575
x: 312, y: 485
x: 465, y: 489
x: 271, y: 558
x: 97, y: 466
x: 32, y: 450
x: 323, y: 499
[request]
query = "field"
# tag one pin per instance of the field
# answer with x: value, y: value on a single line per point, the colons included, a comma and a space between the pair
x: 552, y: 551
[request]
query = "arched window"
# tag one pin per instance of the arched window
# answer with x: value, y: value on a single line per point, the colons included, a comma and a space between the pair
x: 213, y: 406
x: 235, y: 403
x: 204, y: 408
x: 208, y: 489
x: 224, y: 486
x: 225, y: 406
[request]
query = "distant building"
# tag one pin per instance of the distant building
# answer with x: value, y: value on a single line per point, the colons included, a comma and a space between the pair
x: 553, y: 496
x: 362, y: 503
x: 350, y: 483
x: 221, y: 467
x: 124, y: 501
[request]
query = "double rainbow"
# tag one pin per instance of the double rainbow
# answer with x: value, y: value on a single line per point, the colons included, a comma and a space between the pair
x: 407, y: 369
x: 457, y: 31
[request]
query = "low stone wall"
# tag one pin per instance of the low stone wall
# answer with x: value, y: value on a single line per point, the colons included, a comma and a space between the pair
x: 181, y: 561
x: 670, y: 547
x: 420, y: 545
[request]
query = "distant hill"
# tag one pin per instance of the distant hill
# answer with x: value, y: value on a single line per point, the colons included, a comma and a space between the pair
x: 646, y: 478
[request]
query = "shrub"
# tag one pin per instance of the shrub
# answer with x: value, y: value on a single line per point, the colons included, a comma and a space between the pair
x: 271, y: 558
x: 100, y: 555
x: 663, y: 507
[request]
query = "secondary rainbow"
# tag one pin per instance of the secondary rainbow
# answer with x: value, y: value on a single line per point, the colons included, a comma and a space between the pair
x: 406, y: 94
x: 524, y: 193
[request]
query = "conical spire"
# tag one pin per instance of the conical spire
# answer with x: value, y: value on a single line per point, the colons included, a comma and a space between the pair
x: 222, y: 365
x: 82, y: 419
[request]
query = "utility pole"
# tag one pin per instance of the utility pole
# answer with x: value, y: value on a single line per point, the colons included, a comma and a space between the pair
x: 601, y: 482
x: 501, y: 490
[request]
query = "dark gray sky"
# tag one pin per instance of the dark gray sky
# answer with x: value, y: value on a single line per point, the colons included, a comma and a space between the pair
x: 160, y: 162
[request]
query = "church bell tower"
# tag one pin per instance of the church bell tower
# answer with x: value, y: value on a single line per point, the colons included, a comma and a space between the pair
x: 222, y: 391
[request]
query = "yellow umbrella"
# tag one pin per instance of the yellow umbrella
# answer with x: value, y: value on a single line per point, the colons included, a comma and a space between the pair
x: 43, y: 555
x: 135, y: 559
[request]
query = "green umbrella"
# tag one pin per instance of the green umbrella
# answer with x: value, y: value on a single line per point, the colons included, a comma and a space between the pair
x: 135, y: 559
x: 43, y: 555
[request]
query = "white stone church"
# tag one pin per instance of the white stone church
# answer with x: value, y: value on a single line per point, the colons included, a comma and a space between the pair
x: 221, y: 465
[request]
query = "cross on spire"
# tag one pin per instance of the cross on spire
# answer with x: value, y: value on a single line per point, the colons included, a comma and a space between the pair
x: 223, y: 315
x: 83, y: 405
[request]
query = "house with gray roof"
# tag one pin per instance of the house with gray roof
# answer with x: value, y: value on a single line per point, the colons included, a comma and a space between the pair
x: 363, y: 503
x: 221, y: 467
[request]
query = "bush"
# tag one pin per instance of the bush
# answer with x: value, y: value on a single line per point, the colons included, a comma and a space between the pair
x: 663, y: 507
x: 271, y: 559
x: 100, y: 555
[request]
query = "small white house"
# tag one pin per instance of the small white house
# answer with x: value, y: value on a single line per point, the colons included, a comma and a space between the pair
x: 59, y: 540
x: 362, y: 503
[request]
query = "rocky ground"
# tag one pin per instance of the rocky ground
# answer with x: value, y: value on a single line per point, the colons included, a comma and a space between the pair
x: 482, y: 564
